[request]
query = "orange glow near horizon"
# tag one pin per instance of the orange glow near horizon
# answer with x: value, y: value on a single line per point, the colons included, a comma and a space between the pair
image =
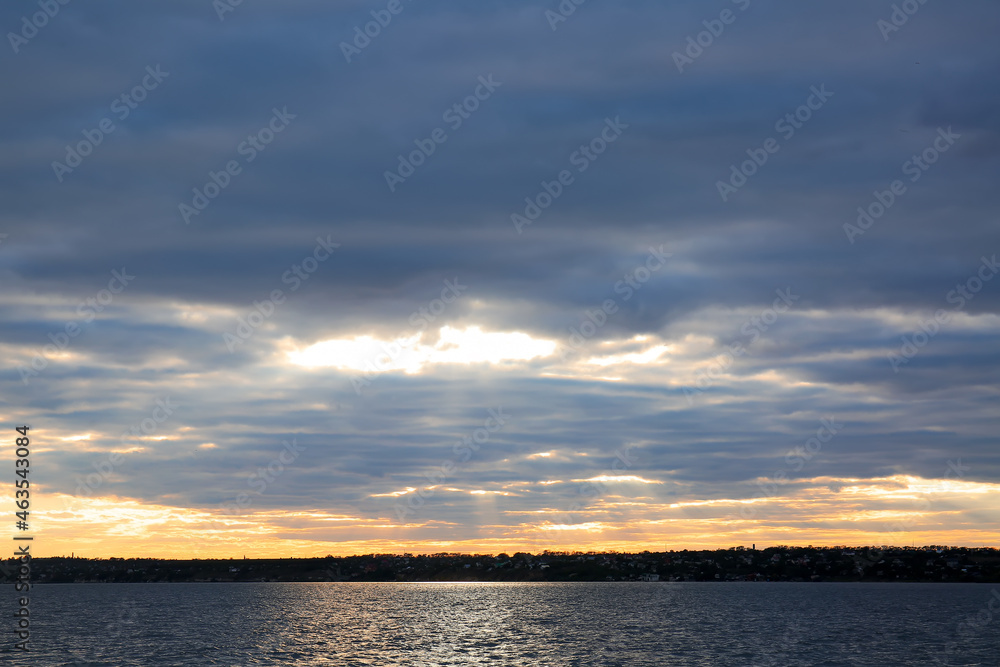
x: 896, y: 511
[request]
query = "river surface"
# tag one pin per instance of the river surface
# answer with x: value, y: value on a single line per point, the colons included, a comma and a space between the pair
x: 708, y: 624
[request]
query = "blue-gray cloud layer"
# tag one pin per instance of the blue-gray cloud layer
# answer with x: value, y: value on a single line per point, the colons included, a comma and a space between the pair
x: 656, y: 184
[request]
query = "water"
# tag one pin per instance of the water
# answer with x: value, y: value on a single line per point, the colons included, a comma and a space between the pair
x: 511, y: 624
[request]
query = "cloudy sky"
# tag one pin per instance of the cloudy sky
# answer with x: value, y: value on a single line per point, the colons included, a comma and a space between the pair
x: 498, y: 276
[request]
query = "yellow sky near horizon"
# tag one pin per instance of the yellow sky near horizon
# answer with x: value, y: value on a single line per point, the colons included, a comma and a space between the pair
x: 897, y: 511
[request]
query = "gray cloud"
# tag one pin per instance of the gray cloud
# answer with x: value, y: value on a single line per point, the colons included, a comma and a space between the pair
x: 657, y: 185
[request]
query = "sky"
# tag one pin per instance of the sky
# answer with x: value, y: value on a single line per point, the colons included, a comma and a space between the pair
x: 302, y: 278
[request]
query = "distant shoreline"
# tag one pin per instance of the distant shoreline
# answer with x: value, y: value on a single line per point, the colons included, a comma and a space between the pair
x: 771, y: 565
x: 477, y: 581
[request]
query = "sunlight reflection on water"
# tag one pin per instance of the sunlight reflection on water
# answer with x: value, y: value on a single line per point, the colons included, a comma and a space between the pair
x: 508, y: 624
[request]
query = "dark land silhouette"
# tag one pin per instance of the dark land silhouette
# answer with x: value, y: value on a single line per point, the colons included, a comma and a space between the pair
x: 776, y: 563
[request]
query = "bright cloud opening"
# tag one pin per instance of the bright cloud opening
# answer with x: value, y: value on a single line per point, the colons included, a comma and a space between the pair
x: 454, y: 346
